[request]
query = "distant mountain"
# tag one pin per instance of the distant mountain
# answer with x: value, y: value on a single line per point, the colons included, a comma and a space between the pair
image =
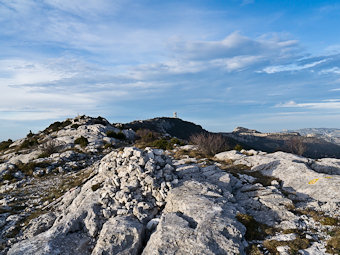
x: 331, y: 135
x: 312, y: 146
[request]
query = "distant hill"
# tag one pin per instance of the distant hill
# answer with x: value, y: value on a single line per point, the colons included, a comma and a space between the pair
x: 164, y: 125
x: 175, y: 127
x: 331, y: 135
x: 311, y: 146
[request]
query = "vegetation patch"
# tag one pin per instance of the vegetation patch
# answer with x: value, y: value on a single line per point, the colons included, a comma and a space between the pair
x: 29, y: 143
x: 255, y: 230
x: 210, y: 144
x: 56, y: 126
x: 99, y: 120
x: 8, y: 176
x: 254, y: 250
x: 148, y: 138
x: 333, y: 244
x: 190, y: 153
x: 75, y: 126
x: 108, y: 146
x: 48, y: 149
x: 238, y: 147
x: 243, y: 169
x: 96, y: 186
x: 120, y: 135
x: 5, y: 144
x: 82, y: 141
x: 68, y: 183
x: 29, y: 168
x: 294, y: 245
x: 320, y: 217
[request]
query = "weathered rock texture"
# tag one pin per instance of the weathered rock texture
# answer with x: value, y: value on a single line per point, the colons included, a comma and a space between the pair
x: 116, y: 211
x: 144, y: 202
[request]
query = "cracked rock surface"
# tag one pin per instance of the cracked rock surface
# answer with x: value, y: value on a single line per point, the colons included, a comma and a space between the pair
x: 145, y: 202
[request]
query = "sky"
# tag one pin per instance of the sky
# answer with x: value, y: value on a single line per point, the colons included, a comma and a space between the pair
x: 261, y: 64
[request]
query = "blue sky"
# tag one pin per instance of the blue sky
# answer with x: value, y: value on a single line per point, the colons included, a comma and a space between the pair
x: 267, y: 65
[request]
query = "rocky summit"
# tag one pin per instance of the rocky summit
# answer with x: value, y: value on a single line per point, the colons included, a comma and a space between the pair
x: 95, y: 192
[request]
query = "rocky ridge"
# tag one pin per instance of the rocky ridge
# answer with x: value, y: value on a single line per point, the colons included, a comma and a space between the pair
x: 150, y: 201
x: 307, y: 146
x: 329, y: 134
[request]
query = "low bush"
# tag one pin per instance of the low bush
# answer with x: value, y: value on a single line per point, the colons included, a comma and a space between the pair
x: 120, y: 135
x: 255, y: 230
x: 238, y: 147
x: 175, y: 140
x: 333, y: 244
x: 146, y: 135
x: 5, y: 144
x: 75, y: 126
x: 28, y: 168
x: 29, y: 143
x: 108, y: 146
x: 96, y: 186
x: 56, y: 126
x: 162, y: 144
x: 82, y: 141
x: 48, y: 149
x: 100, y: 120
x: 209, y: 144
x: 8, y: 176
x: 166, y: 144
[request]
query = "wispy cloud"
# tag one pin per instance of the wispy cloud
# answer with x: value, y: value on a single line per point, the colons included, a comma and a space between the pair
x: 291, y: 67
x: 335, y: 70
x: 234, y: 45
x: 325, y: 104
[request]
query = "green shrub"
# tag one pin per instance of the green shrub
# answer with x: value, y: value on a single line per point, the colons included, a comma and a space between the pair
x: 5, y: 144
x: 96, y: 186
x: 161, y: 144
x: 28, y: 143
x: 82, y: 141
x: 28, y: 168
x: 75, y: 126
x: 146, y: 135
x: 99, y: 120
x: 108, y: 145
x: 175, y: 140
x: 238, y: 147
x: 333, y: 244
x: 255, y: 230
x: 120, y: 135
x: 56, y: 126
x: 7, y: 176
x: 49, y: 148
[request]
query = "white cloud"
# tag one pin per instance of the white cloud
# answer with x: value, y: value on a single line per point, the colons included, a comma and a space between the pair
x: 334, y: 70
x: 325, y: 104
x: 234, y: 45
x: 20, y: 72
x: 291, y: 67
x: 86, y: 8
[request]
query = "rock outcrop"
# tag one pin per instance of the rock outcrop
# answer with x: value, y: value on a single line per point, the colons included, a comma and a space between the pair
x: 117, y: 209
x: 88, y: 198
